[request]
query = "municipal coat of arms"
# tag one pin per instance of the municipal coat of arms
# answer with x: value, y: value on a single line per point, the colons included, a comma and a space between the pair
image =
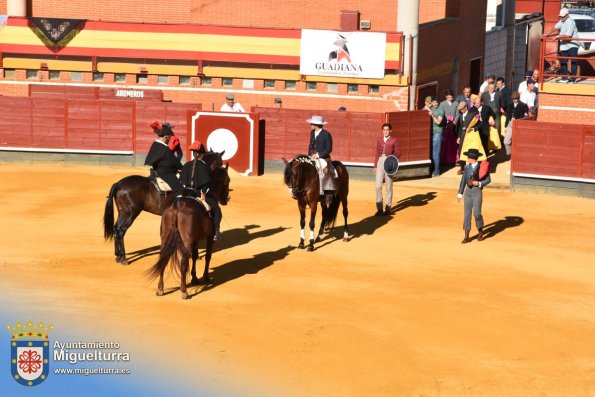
x: 29, y: 352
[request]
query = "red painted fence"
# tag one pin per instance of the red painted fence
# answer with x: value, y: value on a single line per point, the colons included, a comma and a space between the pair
x: 553, y: 149
x: 354, y: 134
x: 91, y: 125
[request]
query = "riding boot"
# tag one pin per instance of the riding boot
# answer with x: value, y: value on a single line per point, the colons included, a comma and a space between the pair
x: 379, y: 209
x: 480, y: 235
x: 466, y: 239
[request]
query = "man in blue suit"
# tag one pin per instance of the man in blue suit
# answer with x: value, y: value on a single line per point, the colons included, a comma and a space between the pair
x: 320, y: 147
x: 474, y: 181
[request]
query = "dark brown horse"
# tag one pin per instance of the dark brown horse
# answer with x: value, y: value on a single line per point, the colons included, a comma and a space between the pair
x: 183, y: 225
x: 132, y: 195
x: 301, y: 177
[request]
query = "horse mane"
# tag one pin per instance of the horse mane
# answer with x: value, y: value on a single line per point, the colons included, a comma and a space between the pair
x: 299, y: 158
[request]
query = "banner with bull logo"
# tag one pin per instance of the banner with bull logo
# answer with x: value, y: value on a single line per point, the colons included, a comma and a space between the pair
x: 343, y: 54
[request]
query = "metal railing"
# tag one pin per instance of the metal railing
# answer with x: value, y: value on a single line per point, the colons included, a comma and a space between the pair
x: 552, y: 56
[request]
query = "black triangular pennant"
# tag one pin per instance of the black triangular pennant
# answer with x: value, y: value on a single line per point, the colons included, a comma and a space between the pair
x: 56, y: 29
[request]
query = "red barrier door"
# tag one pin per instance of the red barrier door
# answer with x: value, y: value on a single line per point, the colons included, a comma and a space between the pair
x: 236, y: 133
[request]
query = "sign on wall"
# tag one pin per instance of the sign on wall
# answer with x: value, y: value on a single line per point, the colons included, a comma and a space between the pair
x: 343, y: 54
x: 237, y: 134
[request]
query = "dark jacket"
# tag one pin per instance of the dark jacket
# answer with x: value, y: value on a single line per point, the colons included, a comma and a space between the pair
x: 496, y: 104
x: 521, y: 110
x: 162, y: 159
x: 323, y: 144
x: 464, y: 123
x: 506, y: 93
x: 201, y: 180
x: 483, y: 125
x: 468, y: 173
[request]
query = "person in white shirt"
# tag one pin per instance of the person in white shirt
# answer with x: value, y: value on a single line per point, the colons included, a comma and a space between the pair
x: 566, y: 30
x: 231, y: 105
x: 528, y: 95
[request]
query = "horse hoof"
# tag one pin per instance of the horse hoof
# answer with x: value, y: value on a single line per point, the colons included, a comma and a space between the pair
x: 159, y: 292
x: 301, y: 246
x: 310, y: 248
x: 194, y: 281
x: 317, y: 239
x: 122, y: 260
x: 185, y: 295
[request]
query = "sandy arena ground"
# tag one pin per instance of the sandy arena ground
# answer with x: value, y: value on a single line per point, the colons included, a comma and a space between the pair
x: 403, y: 309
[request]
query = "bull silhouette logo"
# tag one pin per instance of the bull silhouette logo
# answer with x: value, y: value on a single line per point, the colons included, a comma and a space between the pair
x: 342, y: 52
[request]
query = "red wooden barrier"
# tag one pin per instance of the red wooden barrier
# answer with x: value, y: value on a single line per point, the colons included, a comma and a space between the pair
x: 553, y: 149
x: 61, y: 124
x: 287, y: 133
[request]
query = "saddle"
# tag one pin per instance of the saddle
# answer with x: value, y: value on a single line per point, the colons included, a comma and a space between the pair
x: 195, y: 194
x: 159, y: 184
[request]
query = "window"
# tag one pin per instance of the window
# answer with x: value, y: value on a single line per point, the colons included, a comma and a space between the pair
x: 311, y: 86
x: 184, y: 80
x: 290, y: 85
x: 206, y: 81
x: 97, y: 76
x: 373, y: 89
x: 54, y: 75
x: 351, y: 87
x: 162, y: 79
x: 269, y: 84
x: 31, y: 74
x: 76, y: 76
x: 227, y: 82
x: 142, y: 79
x: 9, y: 74
x: 331, y: 87
x: 120, y: 77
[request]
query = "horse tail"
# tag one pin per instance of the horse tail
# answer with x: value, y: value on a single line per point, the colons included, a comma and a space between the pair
x: 108, y: 214
x: 169, y: 249
x: 343, y: 188
x: 331, y: 214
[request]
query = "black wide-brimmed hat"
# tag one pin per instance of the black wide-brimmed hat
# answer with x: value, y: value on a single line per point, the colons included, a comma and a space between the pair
x: 473, y: 153
x: 391, y: 165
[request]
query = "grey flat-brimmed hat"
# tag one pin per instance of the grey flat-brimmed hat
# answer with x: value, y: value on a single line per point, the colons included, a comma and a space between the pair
x: 316, y: 120
x: 230, y: 97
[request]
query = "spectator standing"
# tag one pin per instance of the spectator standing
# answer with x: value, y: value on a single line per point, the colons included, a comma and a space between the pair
x: 528, y: 94
x: 566, y: 30
x: 436, y: 114
x: 493, y: 99
x: 515, y: 110
x: 231, y: 105
x: 465, y: 96
x: 466, y: 115
x: 448, y: 152
x: 484, y: 85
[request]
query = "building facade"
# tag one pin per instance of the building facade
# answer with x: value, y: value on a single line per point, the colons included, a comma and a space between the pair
x: 196, y: 51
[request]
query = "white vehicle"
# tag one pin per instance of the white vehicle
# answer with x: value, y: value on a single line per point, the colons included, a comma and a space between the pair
x: 585, y: 24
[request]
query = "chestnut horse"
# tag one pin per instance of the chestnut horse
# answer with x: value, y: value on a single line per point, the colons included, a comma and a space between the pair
x: 134, y: 194
x: 301, y: 177
x: 183, y: 225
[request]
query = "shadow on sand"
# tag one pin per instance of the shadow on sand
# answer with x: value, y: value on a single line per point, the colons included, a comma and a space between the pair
x: 241, y: 267
x: 230, y: 238
x: 140, y: 254
x: 241, y: 236
x: 491, y: 229
x: 369, y: 225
